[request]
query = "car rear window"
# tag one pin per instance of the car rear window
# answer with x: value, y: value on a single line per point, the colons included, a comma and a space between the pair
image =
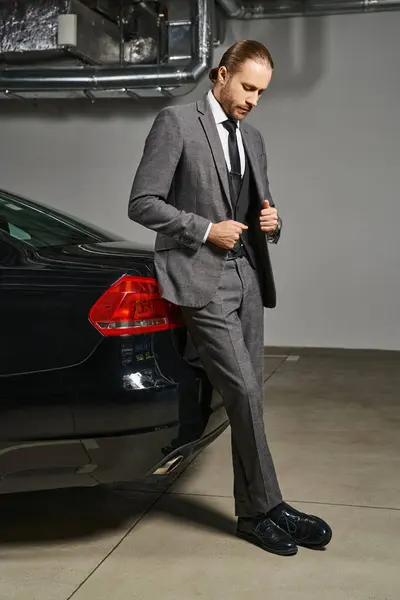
x: 39, y: 226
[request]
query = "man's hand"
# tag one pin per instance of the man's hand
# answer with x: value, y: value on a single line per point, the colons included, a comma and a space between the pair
x: 268, y: 218
x: 226, y: 233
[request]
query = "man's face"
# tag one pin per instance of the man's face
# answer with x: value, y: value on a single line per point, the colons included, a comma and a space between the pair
x: 240, y: 92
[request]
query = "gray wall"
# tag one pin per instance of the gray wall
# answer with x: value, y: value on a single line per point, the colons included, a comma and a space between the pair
x: 331, y: 121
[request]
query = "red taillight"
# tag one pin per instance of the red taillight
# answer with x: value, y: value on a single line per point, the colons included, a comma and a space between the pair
x: 133, y: 305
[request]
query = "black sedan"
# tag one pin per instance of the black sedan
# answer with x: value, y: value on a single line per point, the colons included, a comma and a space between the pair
x: 95, y: 385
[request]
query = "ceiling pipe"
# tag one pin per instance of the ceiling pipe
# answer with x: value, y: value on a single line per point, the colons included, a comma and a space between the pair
x: 235, y: 9
x: 89, y: 79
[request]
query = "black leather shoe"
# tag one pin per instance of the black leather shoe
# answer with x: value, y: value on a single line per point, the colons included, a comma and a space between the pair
x: 264, y: 533
x: 305, y: 530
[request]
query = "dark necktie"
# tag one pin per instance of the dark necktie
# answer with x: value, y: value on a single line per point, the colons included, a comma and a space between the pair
x: 234, y: 157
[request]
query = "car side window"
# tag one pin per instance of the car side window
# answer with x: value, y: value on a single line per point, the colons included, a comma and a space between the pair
x: 13, y: 230
x: 19, y: 234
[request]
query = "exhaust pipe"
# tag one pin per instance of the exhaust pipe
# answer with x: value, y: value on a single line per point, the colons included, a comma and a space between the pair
x: 169, y: 466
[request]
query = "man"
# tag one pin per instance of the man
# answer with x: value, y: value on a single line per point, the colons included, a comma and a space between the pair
x: 202, y: 185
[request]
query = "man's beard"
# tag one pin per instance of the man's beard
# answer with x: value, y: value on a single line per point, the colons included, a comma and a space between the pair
x: 227, y: 102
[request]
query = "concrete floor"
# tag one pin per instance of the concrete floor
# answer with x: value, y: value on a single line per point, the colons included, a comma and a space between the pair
x: 333, y: 423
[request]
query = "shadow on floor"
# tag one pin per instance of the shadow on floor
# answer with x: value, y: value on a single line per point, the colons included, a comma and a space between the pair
x: 77, y: 514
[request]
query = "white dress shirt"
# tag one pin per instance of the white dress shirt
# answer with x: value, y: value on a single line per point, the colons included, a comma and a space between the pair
x: 220, y: 116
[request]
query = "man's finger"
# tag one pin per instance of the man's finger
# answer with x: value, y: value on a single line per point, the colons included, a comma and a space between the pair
x: 240, y: 225
x: 266, y: 204
x: 269, y: 219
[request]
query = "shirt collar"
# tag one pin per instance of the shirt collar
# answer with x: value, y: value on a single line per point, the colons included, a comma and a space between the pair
x: 217, y: 110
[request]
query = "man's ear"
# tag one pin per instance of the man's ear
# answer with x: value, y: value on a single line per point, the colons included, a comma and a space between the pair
x: 222, y: 74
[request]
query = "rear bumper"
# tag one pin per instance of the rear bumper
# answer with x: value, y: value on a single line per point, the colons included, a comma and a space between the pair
x: 134, y: 458
x: 145, y: 457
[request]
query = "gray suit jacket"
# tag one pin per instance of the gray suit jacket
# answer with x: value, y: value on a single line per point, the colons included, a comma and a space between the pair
x: 180, y: 186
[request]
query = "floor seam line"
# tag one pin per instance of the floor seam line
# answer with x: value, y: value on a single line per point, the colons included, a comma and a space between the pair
x: 115, y: 547
x: 274, y: 370
x: 145, y: 513
x: 338, y: 504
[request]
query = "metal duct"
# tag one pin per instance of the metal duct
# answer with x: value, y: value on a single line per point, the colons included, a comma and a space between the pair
x: 108, y: 8
x: 269, y: 9
x: 138, y: 81
x: 30, y: 31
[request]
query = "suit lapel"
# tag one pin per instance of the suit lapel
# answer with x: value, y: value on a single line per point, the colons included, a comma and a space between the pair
x: 252, y: 162
x: 211, y: 132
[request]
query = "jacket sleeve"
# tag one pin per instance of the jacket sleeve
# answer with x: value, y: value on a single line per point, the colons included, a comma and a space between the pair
x: 154, y: 179
x: 274, y: 236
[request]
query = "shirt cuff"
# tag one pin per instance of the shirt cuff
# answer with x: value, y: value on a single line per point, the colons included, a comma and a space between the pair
x: 207, y: 232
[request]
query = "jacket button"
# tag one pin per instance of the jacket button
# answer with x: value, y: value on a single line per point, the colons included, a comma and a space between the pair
x: 229, y: 214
